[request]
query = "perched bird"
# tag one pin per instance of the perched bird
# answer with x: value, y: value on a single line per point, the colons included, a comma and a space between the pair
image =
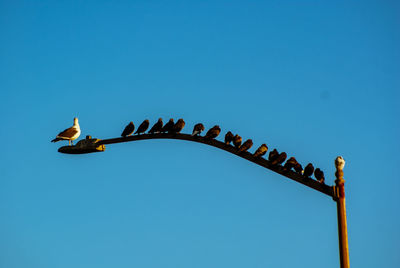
x: 213, y: 132
x: 290, y: 163
x: 179, y: 125
x: 319, y: 175
x: 128, y: 130
x: 143, y: 127
x: 168, y: 126
x: 157, y: 126
x: 279, y: 159
x: 308, y: 170
x: 262, y: 150
x: 245, y: 146
x: 339, y: 163
x: 69, y: 134
x: 298, y: 168
x: 273, y: 155
x: 237, y: 141
x: 198, y: 128
x: 228, y: 137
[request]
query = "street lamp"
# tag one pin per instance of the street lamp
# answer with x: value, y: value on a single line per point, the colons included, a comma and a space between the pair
x: 90, y: 145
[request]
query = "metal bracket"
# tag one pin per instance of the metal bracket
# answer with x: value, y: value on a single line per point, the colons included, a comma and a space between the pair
x: 85, y: 146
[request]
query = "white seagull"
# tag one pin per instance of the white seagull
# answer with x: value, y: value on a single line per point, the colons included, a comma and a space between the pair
x: 339, y: 162
x: 69, y: 134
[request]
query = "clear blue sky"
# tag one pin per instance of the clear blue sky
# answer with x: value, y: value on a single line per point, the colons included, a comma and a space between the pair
x: 315, y: 79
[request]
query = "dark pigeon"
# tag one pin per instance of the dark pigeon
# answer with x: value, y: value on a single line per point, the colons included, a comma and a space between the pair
x: 319, y: 175
x: 168, y: 126
x: 228, y: 137
x: 308, y: 170
x: 157, y: 126
x: 237, y: 141
x: 262, y: 150
x: 198, y: 128
x: 143, y: 127
x: 273, y: 155
x: 279, y: 159
x: 213, y: 132
x: 290, y: 163
x: 245, y: 146
x: 179, y: 125
x: 128, y: 130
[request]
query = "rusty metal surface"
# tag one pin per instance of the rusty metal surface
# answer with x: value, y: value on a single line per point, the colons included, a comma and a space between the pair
x: 323, y: 188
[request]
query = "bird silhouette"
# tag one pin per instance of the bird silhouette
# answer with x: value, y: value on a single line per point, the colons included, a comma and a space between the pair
x: 245, y: 146
x: 273, y: 155
x: 279, y: 159
x: 128, y: 130
x: 198, y: 128
x: 237, y: 141
x: 157, y: 126
x: 213, y: 132
x: 308, y: 170
x: 298, y: 168
x: 168, y: 126
x: 290, y: 163
x: 143, y: 127
x: 228, y: 137
x: 319, y: 175
x: 262, y: 150
x: 179, y: 125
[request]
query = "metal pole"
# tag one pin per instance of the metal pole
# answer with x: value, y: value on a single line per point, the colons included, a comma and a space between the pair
x: 90, y: 145
x: 341, y: 213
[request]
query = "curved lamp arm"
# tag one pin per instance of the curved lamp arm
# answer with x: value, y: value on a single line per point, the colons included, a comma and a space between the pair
x: 90, y: 145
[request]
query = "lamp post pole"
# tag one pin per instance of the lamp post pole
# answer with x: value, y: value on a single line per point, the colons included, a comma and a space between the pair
x: 90, y: 145
x: 341, y: 214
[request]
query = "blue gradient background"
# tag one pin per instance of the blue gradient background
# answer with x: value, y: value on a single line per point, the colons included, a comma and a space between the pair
x: 316, y: 79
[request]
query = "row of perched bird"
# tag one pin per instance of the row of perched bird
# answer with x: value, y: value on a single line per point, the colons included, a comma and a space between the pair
x: 274, y: 156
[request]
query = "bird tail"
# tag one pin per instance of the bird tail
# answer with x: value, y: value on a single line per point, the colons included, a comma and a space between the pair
x: 55, y: 140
